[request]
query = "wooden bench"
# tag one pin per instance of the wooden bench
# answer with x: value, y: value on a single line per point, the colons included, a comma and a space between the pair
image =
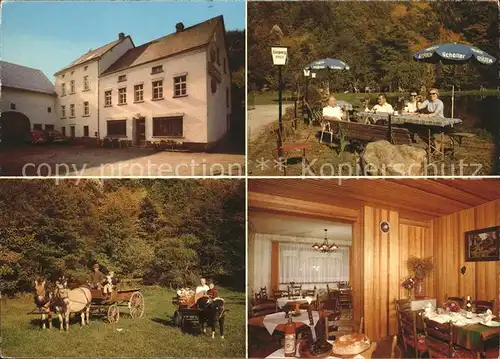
x: 370, y: 133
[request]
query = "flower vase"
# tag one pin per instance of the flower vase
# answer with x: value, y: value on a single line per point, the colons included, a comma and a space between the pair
x: 419, y: 289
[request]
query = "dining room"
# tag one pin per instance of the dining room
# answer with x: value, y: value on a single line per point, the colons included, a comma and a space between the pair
x: 405, y: 268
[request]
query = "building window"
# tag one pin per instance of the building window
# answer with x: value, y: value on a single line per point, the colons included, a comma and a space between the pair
x: 85, y: 83
x: 63, y: 89
x: 122, y: 78
x: 49, y: 109
x: 63, y: 131
x: 85, y: 131
x: 139, y: 93
x: 63, y: 75
x: 72, y: 131
x: 180, y: 88
x: 86, y: 111
x: 72, y: 110
x: 63, y: 111
x: 12, y: 106
x: 227, y: 97
x: 167, y: 127
x: 225, y: 66
x: 218, y: 56
x: 107, y: 98
x: 49, y: 127
x: 38, y: 126
x: 117, y: 128
x: 72, y: 72
x: 157, y: 69
x: 85, y: 68
x: 72, y: 86
x: 122, y: 96
x: 157, y: 90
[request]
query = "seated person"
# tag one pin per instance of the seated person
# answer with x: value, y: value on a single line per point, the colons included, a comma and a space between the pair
x: 108, y: 285
x: 96, y: 278
x: 432, y: 107
x: 411, y: 105
x: 332, y: 111
x: 383, y: 105
x: 212, y: 292
x: 201, y: 290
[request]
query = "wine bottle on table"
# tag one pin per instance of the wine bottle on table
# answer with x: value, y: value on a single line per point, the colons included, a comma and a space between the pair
x: 290, y: 343
x: 469, y: 307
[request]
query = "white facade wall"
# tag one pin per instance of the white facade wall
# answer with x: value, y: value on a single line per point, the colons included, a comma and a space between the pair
x: 80, y: 96
x: 193, y: 107
x: 218, y: 109
x: 34, y: 105
x: 78, y: 99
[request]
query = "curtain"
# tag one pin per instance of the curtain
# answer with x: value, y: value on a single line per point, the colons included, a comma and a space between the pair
x: 301, y: 264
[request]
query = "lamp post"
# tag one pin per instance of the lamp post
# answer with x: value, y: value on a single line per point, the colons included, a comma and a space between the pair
x: 280, y: 56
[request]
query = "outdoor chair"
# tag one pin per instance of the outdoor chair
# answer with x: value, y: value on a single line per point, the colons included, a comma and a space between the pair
x: 284, y: 148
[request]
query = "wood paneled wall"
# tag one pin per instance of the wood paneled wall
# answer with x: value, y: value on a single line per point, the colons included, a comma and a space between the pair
x: 385, y: 256
x: 481, y: 279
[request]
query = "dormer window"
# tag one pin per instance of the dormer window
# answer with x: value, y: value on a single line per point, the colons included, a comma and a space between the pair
x: 122, y: 78
x: 157, y: 69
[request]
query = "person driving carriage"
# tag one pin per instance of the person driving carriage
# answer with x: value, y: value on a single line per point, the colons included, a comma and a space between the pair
x: 96, y: 278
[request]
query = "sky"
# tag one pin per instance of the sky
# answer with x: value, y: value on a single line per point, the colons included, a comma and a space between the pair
x: 50, y: 35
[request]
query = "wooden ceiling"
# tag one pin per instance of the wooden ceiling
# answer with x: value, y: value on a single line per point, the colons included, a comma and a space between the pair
x: 415, y: 199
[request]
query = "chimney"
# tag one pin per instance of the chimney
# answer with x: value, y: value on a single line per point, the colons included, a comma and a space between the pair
x: 179, y: 27
x: 121, y: 36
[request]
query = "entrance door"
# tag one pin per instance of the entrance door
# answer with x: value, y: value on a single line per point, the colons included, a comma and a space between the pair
x: 140, y: 131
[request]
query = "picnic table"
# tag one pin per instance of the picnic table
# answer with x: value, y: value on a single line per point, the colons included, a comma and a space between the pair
x: 436, y: 127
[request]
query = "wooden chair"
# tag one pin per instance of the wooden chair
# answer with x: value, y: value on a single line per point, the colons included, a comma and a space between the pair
x: 394, y: 346
x: 408, y: 330
x: 439, y: 341
x: 387, y: 347
x: 294, y: 290
x: 483, y: 305
x: 279, y: 294
x: 368, y: 353
x: 263, y: 309
x: 459, y: 300
x: 284, y: 148
x: 330, y: 305
x: 309, y: 292
x: 346, y: 298
x: 337, y: 328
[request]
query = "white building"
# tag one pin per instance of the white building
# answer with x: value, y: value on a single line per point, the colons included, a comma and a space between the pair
x: 27, y: 101
x: 77, y: 87
x: 176, y: 88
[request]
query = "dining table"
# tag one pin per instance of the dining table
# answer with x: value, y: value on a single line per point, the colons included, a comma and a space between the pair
x: 471, y: 333
x: 280, y: 353
x: 277, y: 321
x: 295, y: 302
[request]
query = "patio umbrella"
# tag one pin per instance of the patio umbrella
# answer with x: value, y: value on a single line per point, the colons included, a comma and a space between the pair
x: 451, y: 54
x: 325, y: 64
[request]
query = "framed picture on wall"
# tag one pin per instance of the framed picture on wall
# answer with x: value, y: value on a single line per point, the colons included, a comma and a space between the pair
x: 482, y: 245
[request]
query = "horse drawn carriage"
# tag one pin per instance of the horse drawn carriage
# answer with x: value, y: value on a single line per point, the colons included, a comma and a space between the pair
x: 110, y: 304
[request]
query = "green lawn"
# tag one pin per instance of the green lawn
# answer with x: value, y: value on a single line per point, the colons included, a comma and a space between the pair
x: 150, y: 336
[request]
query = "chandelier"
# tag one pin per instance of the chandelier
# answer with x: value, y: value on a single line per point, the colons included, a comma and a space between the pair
x: 325, y: 248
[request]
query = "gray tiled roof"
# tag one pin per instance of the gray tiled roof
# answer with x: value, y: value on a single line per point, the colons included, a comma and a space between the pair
x: 90, y: 55
x: 190, y: 38
x: 26, y: 78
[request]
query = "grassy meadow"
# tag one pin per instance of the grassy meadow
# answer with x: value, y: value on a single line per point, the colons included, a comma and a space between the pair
x: 153, y: 335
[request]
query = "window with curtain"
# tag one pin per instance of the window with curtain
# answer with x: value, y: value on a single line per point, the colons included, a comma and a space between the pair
x: 301, y: 264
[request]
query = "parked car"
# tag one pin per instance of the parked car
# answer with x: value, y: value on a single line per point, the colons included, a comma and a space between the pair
x: 55, y: 137
x: 36, y: 137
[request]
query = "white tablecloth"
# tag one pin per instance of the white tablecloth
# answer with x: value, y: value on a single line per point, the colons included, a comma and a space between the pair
x: 458, y: 319
x: 283, y: 301
x: 280, y: 353
x: 271, y: 321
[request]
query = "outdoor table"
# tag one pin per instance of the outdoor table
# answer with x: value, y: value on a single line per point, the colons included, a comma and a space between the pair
x: 296, y: 302
x: 277, y: 321
x: 471, y: 336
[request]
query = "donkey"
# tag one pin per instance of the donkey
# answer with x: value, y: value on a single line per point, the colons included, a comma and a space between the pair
x: 68, y: 301
x: 42, y: 301
x: 213, y: 311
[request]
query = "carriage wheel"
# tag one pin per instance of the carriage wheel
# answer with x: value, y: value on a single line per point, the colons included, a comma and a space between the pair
x: 136, y: 305
x: 113, y: 314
